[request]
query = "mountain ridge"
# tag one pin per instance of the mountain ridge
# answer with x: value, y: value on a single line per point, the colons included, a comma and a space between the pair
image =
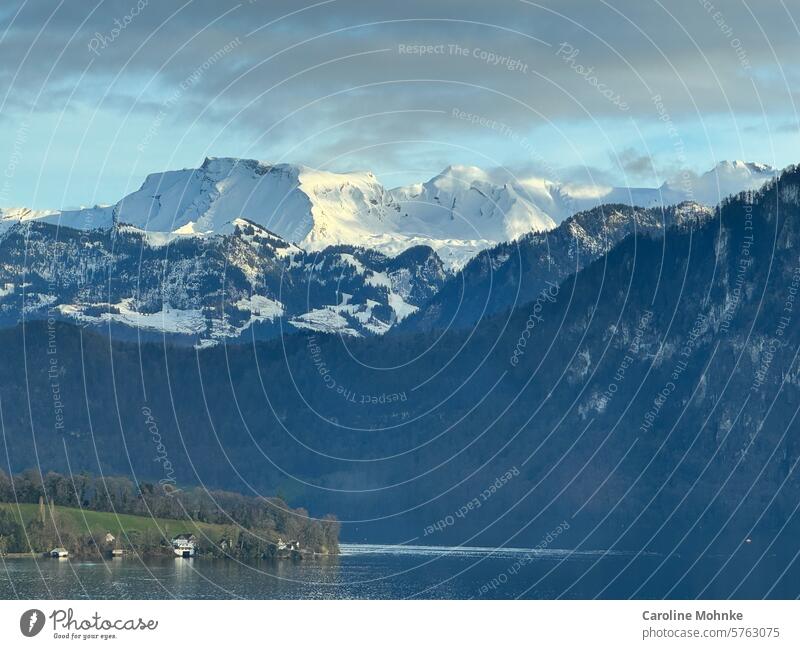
x: 173, y: 259
x: 459, y: 212
x: 511, y: 274
x: 204, y: 291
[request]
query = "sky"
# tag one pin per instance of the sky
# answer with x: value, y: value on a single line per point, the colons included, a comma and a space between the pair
x: 96, y: 95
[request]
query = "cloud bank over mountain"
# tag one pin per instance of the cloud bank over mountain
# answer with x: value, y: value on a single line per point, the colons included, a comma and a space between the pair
x: 343, y: 86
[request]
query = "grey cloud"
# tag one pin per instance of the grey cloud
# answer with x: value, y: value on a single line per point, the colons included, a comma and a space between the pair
x: 279, y: 74
x: 633, y: 163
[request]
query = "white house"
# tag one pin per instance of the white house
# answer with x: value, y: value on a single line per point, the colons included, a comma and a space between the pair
x: 184, y: 545
x: 288, y: 545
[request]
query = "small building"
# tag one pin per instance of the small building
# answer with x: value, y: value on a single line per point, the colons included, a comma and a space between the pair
x: 108, y: 539
x: 117, y: 552
x: 283, y: 550
x: 184, y: 545
x: 288, y: 545
x: 59, y: 553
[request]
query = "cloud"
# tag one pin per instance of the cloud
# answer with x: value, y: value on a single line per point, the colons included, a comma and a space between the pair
x: 376, y: 83
x: 633, y: 163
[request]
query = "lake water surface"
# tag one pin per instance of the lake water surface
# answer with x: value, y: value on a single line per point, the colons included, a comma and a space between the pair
x: 400, y: 572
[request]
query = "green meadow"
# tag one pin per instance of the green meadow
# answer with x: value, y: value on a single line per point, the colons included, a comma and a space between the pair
x: 85, y: 521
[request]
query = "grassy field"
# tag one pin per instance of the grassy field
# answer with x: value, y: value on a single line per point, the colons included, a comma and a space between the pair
x: 85, y: 520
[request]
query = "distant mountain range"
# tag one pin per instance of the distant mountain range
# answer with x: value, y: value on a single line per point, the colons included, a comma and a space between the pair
x: 241, y: 248
x: 457, y: 213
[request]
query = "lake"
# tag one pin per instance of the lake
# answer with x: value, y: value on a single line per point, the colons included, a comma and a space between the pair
x: 401, y: 572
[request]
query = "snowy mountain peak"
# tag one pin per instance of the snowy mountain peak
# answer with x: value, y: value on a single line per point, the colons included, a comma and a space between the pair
x: 741, y: 165
x: 222, y: 167
x: 726, y: 178
x: 465, y: 200
x: 458, y: 175
x: 458, y: 212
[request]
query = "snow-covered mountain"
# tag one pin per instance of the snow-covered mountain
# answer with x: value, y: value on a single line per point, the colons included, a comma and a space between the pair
x: 560, y: 200
x: 459, y: 212
x: 237, y: 247
x: 249, y: 283
x: 725, y: 179
x: 464, y: 203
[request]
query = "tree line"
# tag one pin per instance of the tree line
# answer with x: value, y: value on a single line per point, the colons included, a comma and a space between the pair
x: 251, y: 523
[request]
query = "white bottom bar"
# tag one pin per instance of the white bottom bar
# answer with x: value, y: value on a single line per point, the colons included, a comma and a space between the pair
x: 404, y: 624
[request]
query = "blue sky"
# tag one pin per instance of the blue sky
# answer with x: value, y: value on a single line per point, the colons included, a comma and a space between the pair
x: 95, y: 96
